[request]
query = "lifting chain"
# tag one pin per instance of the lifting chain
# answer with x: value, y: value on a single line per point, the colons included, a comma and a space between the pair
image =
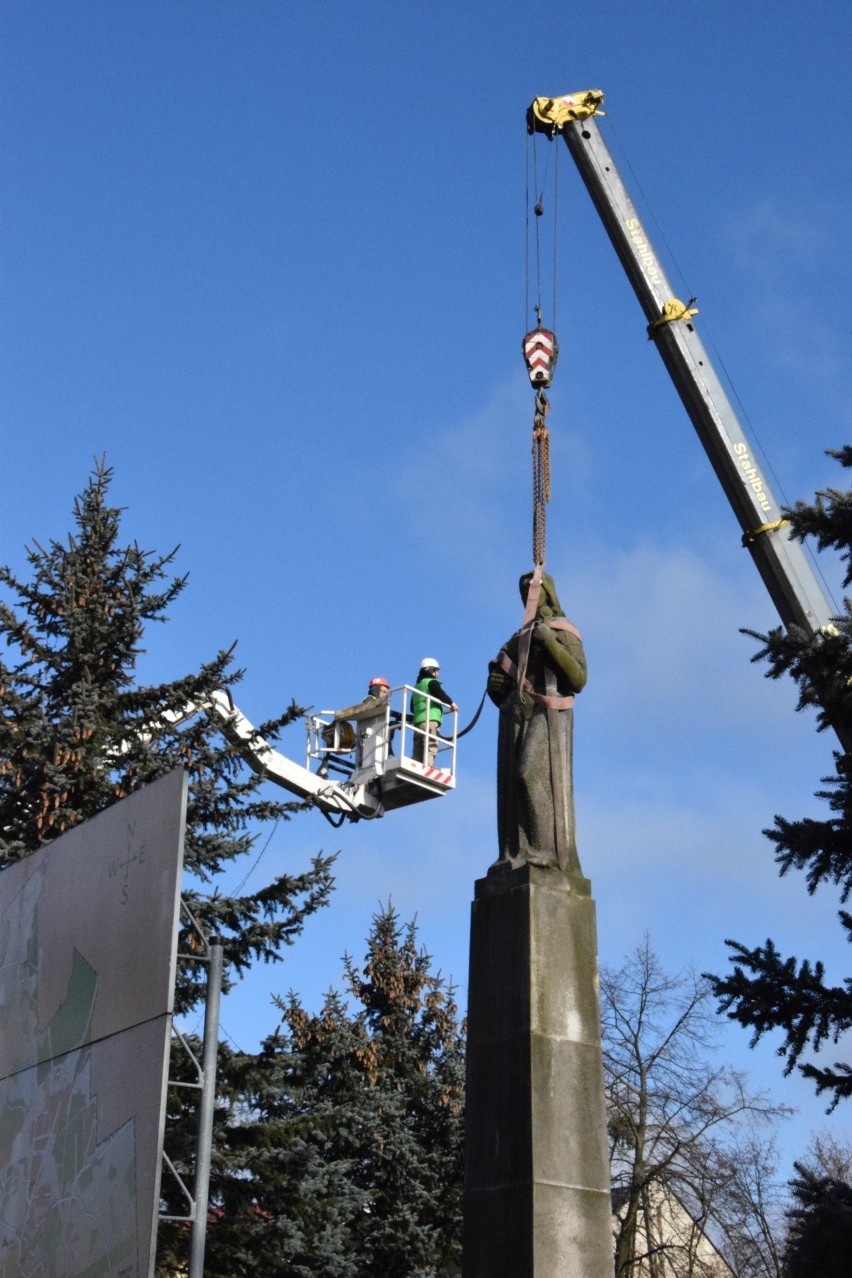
x: 541, y: 351
x: 541, y: 476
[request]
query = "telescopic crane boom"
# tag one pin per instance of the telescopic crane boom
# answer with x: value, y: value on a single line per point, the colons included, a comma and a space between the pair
x: 781, y: 562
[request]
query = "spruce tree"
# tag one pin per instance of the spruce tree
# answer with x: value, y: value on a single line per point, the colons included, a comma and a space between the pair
x: 765, y: 990
x: 78, y: 732
x: 819, y: 1239
x: 349, y: 1125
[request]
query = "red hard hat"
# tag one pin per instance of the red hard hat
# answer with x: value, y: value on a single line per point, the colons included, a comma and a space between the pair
x: 380, y: 679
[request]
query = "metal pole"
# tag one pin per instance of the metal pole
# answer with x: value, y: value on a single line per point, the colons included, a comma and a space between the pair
x: 205, y: 1113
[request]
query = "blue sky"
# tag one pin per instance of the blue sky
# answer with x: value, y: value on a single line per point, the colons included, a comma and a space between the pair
x: 269, y: 259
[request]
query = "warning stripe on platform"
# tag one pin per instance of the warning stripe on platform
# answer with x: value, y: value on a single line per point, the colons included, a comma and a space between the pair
x: 436, y: 774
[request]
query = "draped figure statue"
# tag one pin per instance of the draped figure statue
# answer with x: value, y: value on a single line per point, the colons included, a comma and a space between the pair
x: 533, y: 680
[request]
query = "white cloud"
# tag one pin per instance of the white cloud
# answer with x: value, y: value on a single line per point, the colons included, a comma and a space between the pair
x: 662, y: 632
x: 771, y: 239
x: 460, y: 486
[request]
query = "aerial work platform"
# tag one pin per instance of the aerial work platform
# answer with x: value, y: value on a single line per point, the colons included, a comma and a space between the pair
x: 353, y: 770
x: 387, y: 756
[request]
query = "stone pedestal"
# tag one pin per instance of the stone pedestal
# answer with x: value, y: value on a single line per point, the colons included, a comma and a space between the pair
x: 537, y: 1187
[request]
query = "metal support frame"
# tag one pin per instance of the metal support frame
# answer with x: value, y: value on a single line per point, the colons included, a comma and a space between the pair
x: 204, y: 1144
x: 212, y: 953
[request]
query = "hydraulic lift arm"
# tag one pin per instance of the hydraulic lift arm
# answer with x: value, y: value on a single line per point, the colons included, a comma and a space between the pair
x: 781, y: 562
x: 385, y: 769
x: 266, y: 761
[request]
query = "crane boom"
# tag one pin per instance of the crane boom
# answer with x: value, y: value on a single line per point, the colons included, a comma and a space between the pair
x: 780, y: 560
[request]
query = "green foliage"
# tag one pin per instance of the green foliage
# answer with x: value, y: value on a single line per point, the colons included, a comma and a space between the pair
x: 77, y: 732
x: 338, y: 1146
x: 766, y: 991
x: 819, y: 1240
x: 348, y: 1129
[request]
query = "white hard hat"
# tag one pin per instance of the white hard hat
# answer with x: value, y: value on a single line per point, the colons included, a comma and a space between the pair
x: 429, y: 663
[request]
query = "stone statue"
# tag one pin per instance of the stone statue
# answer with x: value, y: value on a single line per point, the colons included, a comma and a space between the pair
x: 533, y: 680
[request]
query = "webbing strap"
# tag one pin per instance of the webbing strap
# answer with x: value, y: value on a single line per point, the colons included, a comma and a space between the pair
x: 525, y: 634
x: 541, y: 699
x: 505, y: 662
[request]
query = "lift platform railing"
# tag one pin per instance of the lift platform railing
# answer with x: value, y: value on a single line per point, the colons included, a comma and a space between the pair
x: 415, y: 739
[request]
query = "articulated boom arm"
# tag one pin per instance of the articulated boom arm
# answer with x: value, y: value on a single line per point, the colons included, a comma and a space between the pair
x: 329, y: 796
x: 392, y: 760
x: 274, y: 766
x: 781, y: 562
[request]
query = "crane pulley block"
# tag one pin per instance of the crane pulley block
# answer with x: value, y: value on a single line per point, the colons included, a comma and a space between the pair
x: 541, y: 351
x: 550, y: 115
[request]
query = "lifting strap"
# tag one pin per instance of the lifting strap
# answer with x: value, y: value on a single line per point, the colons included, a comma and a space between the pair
x: 519, y: 672
x: 541, y: 699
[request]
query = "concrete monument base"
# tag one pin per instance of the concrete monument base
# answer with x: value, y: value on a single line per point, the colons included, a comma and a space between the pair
x: 537, y: 1185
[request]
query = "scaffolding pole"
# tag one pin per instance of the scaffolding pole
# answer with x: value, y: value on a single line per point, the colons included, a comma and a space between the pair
x: 204, y: 1145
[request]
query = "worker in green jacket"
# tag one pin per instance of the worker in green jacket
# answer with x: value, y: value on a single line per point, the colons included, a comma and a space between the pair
x: 427, y: 710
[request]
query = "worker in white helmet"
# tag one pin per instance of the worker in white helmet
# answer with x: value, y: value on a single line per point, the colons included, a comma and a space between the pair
x: 427, y: 710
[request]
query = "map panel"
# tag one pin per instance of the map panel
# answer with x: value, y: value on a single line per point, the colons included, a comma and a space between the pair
x: 107, y: 892
x: 79, y: 1159
x: 88, y: 929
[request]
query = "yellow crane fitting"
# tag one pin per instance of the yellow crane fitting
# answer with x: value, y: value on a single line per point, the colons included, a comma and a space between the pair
x: 550, y: 115
x: 673, y: 310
